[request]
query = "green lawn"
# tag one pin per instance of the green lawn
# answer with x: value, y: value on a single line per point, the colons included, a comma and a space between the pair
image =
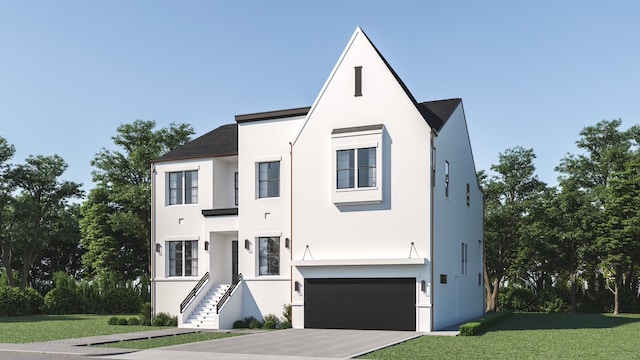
x: 25, y: 329
x: 168, y: 341
x: 532, y: 336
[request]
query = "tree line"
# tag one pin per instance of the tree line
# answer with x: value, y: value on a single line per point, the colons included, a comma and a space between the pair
x: 570, y: 247
x: 576, y: 243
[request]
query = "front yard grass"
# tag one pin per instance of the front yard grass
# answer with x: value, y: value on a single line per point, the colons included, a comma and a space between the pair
x: 532, y: 336
x: 36, y: 328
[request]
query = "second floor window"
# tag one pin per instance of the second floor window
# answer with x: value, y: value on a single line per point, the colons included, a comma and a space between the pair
x: 365, y: 159
x: 183, y: 187
x: 269, y: 179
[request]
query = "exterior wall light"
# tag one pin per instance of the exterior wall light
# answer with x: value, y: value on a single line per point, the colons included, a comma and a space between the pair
x: 158, y: 247
x: 287, y: 243
x: 423, y: 286
x: 247, y: 244
x: 296, y: 286
x: 206, y: 246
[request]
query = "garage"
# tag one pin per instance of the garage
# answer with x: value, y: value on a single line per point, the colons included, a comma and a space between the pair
x: 360, y: 303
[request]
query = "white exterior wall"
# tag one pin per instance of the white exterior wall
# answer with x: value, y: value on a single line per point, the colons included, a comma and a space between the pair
x: 186, y: 222
x: 383, y: 230
x: 264, y: 141
x: 462, y: 297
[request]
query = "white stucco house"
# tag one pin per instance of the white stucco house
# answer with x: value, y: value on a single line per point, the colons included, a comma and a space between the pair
x: 362, y: 211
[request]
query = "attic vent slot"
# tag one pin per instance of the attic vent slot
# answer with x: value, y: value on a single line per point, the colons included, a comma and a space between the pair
x: 358, y: 84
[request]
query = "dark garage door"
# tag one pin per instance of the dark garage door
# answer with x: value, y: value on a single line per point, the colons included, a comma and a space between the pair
x: 368, y: 304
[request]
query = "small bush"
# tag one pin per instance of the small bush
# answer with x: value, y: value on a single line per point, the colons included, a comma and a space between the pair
x: 122, y: 300
x: 11, y: 301
x: 145, y: 314
x: 271, y: 321
x: 252, y: 322
x: 239, y: 324
x: 286, y: 313
x: 133, y: 321
x: 482, y: 324
x: 113, y: 321
x: 122, y: 321
x: 164, y: 319
x: 284, y: 325
x: 34, y: 302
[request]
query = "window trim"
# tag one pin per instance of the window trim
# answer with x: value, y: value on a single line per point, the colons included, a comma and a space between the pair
x: 270, y: 255
x: 193, y: 260
x: 182, y: 189
x: 268, y: 181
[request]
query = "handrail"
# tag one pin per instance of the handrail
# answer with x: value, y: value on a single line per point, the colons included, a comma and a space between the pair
x: 193, y: 292
x: 227, y: 293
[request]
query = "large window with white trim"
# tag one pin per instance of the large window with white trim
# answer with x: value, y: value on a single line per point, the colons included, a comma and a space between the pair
x: 183, y: 187
x: 347, y: 171
x: 183, y: 258
x: 357, y: 164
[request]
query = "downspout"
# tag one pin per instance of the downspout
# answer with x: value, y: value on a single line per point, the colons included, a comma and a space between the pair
x: 432, y: 222
x: 153, y: 240
x: 290, y: 223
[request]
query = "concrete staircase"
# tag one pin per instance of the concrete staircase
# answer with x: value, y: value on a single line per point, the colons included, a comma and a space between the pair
x: 204, y: 316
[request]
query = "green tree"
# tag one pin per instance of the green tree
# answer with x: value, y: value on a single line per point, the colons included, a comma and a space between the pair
x: 606, y: 152
x: 509, y: 196
x: 39, y: 207
x: 116, y: 223
x: 7, y: 186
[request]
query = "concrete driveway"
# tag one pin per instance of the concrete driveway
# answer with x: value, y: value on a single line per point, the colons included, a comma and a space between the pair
x: 291, y: 343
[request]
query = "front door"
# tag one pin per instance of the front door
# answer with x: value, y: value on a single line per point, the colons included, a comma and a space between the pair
x: 234, y: 260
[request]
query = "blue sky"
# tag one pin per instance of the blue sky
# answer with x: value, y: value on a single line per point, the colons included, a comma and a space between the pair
x: 530, y: 73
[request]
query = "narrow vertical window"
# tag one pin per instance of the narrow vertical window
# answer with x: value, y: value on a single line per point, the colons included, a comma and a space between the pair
x: 235, y: 187
x: 269, y: 255
x: 468, y: 194
x: 463, y: 250
x: 367, y: 167
x: 433, y: 166
x: 358, y: 81
x: 183, y: 258
x: 175, y: 188
x: 269, y: 179
x: 191, y: 187
x: 446, y: 178
x: 345, y: 169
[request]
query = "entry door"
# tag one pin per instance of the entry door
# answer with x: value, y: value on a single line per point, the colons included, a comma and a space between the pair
x: 234, y: 260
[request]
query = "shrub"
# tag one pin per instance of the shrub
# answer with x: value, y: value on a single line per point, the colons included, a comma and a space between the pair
x: 252, y: 322
x: 34, y: 302
x: 121, y: 321
x: 12, y: 301
x: 518, y: 299
x: 284, y: 325
x: 64, y: 297
x: 480, y: 325
x: 239, y: 324
x: 112, y: 320
x: 145, y: 314
x: 164, y: 319
x: 286, y: 313
x: 133, y: 321
x: 271, y: 321
x: 122, y: 300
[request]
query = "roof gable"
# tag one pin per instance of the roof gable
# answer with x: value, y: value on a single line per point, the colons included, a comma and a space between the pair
x: 222, y: 141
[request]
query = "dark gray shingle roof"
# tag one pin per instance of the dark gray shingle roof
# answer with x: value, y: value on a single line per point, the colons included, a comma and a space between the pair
x: 222, y: 141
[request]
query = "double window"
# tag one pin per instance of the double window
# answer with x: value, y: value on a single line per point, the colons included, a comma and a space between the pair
x: 269, y: 179
x: 183, y: 187
x: 347, y: 170
x: 269, y: 255
x: 183, y: 258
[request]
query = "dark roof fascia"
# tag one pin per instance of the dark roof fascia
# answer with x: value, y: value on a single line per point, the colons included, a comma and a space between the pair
x: 357, y: 129
x: 434, y: 123
x: 269, y: 115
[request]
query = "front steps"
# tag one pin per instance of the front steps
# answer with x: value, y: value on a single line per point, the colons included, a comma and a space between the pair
x: 204, y: 316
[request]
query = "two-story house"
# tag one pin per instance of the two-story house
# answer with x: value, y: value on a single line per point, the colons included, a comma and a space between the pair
x: 362, y: 211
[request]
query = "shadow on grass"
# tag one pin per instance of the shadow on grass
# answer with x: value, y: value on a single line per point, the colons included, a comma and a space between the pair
x: 537, y: 321
x: 40, y: 318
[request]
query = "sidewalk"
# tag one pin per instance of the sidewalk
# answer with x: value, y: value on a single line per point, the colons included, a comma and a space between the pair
x: 86, y: 346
